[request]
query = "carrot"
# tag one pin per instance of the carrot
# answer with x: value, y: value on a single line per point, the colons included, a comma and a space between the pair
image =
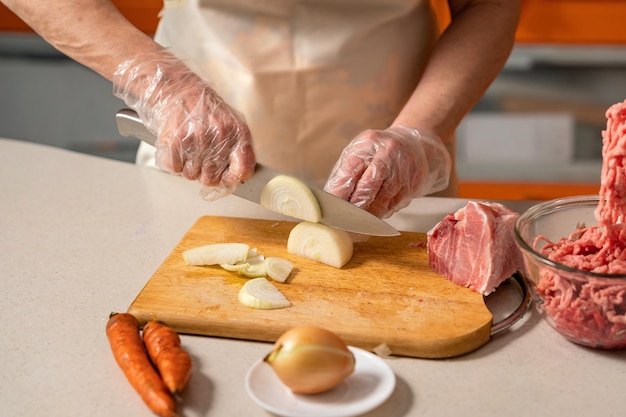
x: 123, y: 334
x: 172, y: 361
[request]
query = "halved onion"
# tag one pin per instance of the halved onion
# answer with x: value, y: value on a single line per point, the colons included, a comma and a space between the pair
x: 290, y: 196
x: 262, y: 294
x: 216, y: 254
x: 321, y: 243
x: 278, y: 269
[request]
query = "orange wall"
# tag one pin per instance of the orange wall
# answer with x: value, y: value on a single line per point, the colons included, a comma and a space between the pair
x: 523, y: 190
x: 573, y: 21
x: 564, y: 21
x: 542, y: 21
x: 142, y: 13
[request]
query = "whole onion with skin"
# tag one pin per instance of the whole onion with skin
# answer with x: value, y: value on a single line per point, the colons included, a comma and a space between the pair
x: 310, y: 360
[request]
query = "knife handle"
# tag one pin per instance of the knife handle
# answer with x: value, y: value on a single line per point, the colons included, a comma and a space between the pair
x: 130, y: 125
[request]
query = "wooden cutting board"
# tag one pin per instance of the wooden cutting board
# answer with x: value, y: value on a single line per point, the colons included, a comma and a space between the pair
x: 387, y: 294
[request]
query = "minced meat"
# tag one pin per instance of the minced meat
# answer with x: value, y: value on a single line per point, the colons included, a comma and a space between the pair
x: 593, y: 310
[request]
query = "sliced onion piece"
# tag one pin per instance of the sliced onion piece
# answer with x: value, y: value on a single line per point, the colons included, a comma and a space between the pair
x: 383, y: 350
x: 254, y: 269
x: 321, y: 243
x: 290, y: 196
x: 216, y: 254
x: 278, y: 269
x: 262, y: 294
x: 256, y: 259
x: 239, y: 266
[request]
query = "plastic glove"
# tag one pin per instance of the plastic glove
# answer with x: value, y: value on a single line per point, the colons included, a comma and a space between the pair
x: 381, y: 171
x: 199, y: 135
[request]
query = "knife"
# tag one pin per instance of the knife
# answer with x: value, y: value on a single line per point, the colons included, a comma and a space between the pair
x: 336, y: 212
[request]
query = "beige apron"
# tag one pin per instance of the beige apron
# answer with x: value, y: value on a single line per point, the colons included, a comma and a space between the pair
x: 308, y: 76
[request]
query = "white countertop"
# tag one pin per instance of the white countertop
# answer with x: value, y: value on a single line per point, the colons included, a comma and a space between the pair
x: 82, y: 235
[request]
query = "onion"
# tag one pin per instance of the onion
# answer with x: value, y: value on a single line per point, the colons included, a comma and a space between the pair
x: 383, y: 350
x: 278, y: 269
x: 321, y: 243
x: 290, y: 196
x: 310, y: 360
x: 262, y: 294
x: 254, y: 271
x: 216, y: 254
x: 239, y: 266
x: 240, y: 258
x: 255, y: 268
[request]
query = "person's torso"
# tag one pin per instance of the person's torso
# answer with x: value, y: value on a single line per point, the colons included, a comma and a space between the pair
x: 308, y: 76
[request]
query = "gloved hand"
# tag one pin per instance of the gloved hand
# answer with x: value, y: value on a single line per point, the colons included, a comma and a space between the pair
x: 381, y: 171
x: 199, y: 135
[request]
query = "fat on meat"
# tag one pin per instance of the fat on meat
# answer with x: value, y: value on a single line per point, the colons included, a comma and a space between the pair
x: 475, y: 246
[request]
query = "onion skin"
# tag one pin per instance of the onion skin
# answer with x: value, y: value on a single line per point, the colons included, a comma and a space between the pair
x: 311, y: 360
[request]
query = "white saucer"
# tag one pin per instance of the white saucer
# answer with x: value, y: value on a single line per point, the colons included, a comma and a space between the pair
x: 370, y: 385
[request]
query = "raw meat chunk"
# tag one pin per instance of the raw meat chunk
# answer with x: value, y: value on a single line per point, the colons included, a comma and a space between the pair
x: 475, y: 246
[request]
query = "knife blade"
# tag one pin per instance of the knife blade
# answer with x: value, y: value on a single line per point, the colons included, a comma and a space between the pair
x: 336, y: 212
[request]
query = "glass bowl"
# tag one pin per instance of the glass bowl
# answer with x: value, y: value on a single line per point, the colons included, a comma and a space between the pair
x: 585, y: 307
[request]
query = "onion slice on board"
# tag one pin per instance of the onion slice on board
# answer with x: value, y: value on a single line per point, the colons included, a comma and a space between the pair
x: 239, y: 266
x: 262, y: 294
x: 216, y: 254
x: 290, y: 196
x: 278, y: 269
x: 256, y: 267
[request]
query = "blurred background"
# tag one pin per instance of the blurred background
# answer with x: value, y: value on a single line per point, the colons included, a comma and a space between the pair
x: 536, y: 134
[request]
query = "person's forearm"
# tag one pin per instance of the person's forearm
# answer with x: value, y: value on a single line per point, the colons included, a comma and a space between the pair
x: 465, y: 60
x: 92, y: 32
